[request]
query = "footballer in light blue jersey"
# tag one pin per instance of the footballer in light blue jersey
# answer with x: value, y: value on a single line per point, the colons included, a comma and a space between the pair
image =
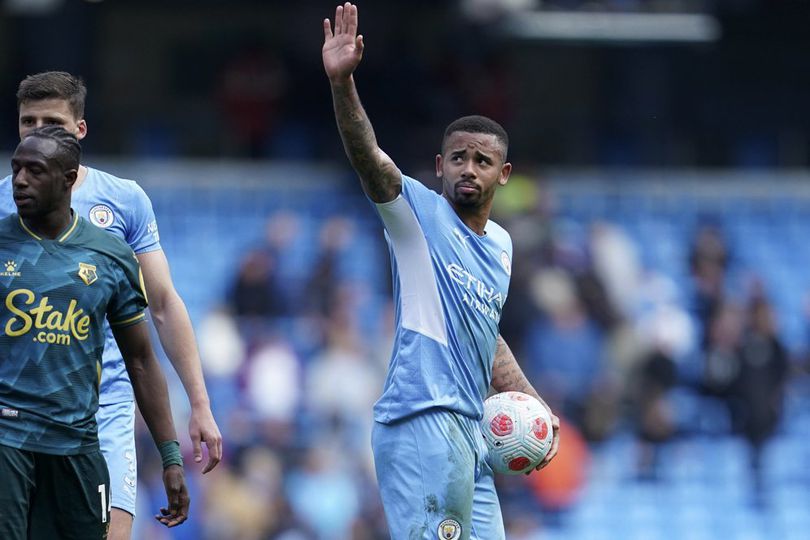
x: 451, y: 268
x: 450, y: 285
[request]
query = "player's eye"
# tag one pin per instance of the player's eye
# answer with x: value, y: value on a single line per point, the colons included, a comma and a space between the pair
x: 54, y: 122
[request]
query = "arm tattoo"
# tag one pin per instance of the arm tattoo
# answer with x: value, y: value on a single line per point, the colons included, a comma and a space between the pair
x: 507, y: 375
x: 377, y: 172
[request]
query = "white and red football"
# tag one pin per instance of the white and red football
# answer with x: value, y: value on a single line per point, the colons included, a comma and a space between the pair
x: 517, y: 430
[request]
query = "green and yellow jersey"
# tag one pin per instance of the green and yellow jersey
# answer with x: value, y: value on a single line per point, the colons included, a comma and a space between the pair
x: 55, y: 296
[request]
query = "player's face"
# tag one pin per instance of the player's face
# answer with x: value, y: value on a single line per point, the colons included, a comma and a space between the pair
x: 471, y: 168
x: 45, y: 112
x: 38, y: 181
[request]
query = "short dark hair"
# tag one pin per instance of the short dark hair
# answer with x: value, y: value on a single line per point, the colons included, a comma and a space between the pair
x: 478, y: 124
x: 69, y: 150
x: 54, y: 85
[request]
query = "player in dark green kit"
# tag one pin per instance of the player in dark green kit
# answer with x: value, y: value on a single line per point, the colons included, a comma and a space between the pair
x: 60, y: 277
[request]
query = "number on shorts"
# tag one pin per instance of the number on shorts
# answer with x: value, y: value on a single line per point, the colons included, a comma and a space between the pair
x: 106, y: 503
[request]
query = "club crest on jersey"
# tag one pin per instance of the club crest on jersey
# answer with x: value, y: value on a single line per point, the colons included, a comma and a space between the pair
x: 88, y: 273
x: 102, y: 216
x: 449, y: 529
x: 10, y: 269
x: 507, y: 264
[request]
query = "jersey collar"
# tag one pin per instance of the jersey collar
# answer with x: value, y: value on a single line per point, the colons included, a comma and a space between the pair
x: 71, y: 228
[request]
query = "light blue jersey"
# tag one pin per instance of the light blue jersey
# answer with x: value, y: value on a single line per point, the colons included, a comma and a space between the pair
x: 450, y: 286
x: 122, y: 208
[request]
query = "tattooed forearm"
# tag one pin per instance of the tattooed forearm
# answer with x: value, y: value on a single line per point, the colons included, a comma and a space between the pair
x: 379, y: 175
x: 507, y: 375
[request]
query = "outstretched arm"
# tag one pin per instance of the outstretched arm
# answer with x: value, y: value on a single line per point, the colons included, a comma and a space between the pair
x: 152, y: 396
x: 507, y: 376
x: 342, y: 52
x: 177, y: 337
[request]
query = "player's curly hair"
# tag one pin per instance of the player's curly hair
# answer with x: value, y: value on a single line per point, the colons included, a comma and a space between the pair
x: 478, y: 124
x: 69, y: 150
x: 54, y: 85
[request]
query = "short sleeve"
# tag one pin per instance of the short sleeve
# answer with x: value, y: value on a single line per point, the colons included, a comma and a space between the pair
x: 142, y: 236
x: 127, y: 304
x: 423, y: 201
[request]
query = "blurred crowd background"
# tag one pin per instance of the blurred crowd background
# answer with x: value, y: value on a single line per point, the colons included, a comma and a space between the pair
x: 659, y: 211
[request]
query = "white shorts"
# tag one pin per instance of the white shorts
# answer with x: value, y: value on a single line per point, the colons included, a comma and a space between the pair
x: 116, y: 435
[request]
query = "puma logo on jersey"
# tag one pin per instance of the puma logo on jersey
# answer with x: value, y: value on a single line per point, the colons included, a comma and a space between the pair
x: 461, y: 236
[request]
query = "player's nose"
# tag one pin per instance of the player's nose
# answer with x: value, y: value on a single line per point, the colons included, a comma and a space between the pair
x: 469, y: 170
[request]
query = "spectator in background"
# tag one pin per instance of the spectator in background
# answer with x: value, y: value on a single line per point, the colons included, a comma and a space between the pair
x: 322, y: 287
x: 273, y: 390
x: 708, y: 263
x: 721, y: 363
x: 343, y: 363
x: 759, y: 386
x: 655, y: 420
x: 254, y: 293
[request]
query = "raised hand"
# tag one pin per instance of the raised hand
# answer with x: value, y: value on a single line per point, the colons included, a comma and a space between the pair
x: 343, y: 49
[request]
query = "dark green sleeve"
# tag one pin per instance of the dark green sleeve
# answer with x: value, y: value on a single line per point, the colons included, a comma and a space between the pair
x: 128, y: 302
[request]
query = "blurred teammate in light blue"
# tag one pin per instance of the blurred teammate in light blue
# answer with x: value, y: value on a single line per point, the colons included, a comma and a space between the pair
x: 122, y: 208
x: 451, y: 268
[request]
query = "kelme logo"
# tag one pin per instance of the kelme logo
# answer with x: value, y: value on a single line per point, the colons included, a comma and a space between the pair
x: 10, y: 269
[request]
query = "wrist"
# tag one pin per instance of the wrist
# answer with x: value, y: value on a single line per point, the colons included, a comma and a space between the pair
x: 170, y: 454
x: 340, y: 82
x: 200, y: 404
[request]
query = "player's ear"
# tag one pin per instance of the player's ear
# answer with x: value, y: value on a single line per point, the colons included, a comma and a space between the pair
x: 70, y: 178
x: 438, y: 165
x: 82, y: 129
x: 506, y: 170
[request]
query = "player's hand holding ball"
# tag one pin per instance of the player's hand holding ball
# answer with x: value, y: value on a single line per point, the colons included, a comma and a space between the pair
x: 519, y: 432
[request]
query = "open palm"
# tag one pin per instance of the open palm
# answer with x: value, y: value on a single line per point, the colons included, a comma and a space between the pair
x: 343, y: 49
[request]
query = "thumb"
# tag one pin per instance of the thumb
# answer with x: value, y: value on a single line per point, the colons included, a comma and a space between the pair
x: 358, y: 42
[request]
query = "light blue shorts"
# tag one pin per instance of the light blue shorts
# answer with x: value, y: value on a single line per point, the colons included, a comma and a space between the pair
x: 116, y: 435
x: 434, y: 480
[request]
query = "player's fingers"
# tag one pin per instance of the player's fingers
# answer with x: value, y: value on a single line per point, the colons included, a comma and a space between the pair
x: 555, y: 443
x: 339, y: 20
x: 327, y: 30
x: 213, y: 461
x: 359, y: 44
x: 171, y: 521
x: 350, y: 13
x: 196, y: 440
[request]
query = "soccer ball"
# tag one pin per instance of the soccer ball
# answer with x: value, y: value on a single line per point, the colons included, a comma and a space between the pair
x: 517, y: 430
